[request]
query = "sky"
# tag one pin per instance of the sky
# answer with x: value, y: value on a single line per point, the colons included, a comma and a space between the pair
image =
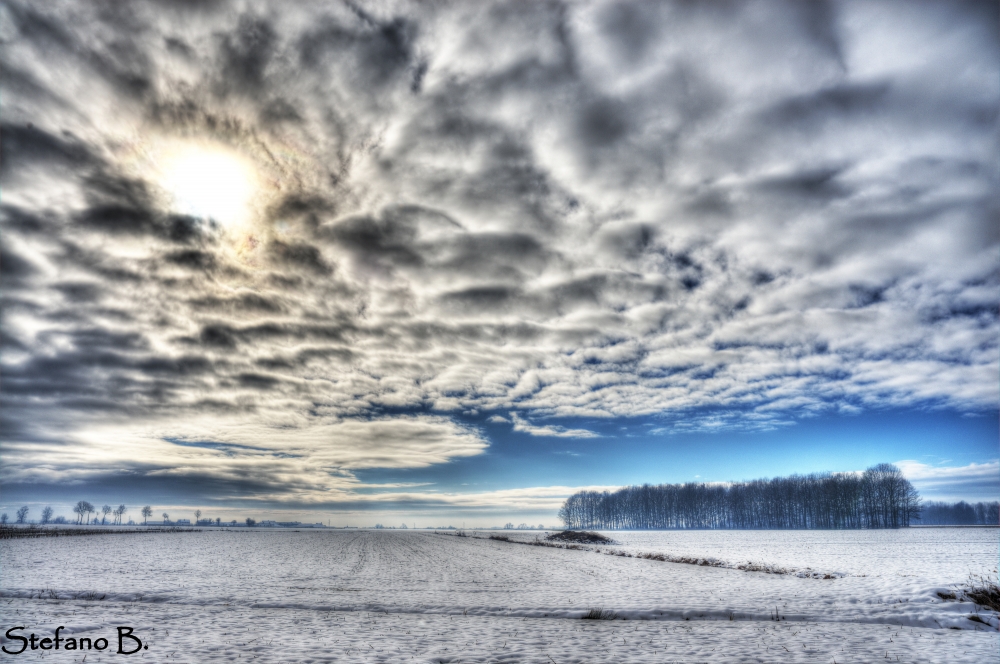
x: 445, y: 263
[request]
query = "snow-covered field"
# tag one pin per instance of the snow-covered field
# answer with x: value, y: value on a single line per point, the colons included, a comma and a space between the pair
x: 360, y: 595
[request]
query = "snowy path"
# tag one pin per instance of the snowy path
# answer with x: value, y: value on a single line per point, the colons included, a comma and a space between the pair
x: 385, y: 596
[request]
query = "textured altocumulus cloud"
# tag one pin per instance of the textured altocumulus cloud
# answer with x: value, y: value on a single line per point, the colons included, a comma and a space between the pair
x: 760, y: 211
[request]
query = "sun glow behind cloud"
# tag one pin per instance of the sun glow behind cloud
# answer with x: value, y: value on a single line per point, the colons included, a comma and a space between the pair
x: 208, y: 181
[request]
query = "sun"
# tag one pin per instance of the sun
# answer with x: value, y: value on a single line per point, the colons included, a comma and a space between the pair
x: 208, y: 181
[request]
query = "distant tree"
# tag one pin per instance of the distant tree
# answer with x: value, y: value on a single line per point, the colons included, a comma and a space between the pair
x: 508, y: 526
x: 59, y: 520
x: 166, y: 517
x: 120, y: 513
x: 218, y: 521
x: 22, y: 514
x: 105, y: 511
x: 3, y: 519
x: 959, y: 514
x: 147, y: 511
x: 250, y: 522
x: 197, y: 515
x: 84, y: 509
x: 46, y: 515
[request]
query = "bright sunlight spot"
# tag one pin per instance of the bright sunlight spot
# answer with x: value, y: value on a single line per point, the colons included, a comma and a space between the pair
x: 209, y: 182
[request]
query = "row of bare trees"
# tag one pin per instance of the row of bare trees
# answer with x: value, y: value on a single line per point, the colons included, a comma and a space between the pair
x: 960, y: 514
x: 878, y: 498
x: 21, y: 515
x: 84, y: 509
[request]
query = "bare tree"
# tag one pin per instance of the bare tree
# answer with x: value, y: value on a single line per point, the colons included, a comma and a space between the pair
x: 46, y: 515
x: 147, y: 511
x: 250, y: 522
x: 105, y: 511
x: 82, y: 509
x: 120, y: 513
x: 166, y: 517
x: 218, y: 521
x: 197, y: 515
x: 3, y: 519
x: 22, y: 514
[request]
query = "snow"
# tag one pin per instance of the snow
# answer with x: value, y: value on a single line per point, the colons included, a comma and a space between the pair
x: 360, y: 595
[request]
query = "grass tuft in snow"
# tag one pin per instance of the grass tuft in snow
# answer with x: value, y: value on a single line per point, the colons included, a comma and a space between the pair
x: 985, y: 592
x: 600, y: 614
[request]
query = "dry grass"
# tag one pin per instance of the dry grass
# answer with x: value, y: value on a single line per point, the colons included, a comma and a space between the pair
x: 984, y: 592
x: 600, y: 614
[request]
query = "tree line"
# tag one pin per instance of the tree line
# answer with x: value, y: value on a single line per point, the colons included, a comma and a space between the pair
x: 83, y: 509
x: 880, y: 497
x: 960, y: 514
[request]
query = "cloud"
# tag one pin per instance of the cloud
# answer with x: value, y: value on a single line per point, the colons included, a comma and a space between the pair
x: 975, y: 482
x: 276, y: 459
x: 543, y: 498
x: 583, y: 210
x: 522, y: 425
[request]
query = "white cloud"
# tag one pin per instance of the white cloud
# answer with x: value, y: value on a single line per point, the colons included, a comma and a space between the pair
x: 544, y: 498
x: 522, y: 425
x: 974, y: 482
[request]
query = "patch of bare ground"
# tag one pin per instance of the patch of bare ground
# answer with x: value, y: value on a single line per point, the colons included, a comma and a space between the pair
x: 579, y: 537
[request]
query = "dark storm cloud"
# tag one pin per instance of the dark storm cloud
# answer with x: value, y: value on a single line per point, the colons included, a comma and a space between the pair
x: 769, y: 209
x: 27, y: 146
